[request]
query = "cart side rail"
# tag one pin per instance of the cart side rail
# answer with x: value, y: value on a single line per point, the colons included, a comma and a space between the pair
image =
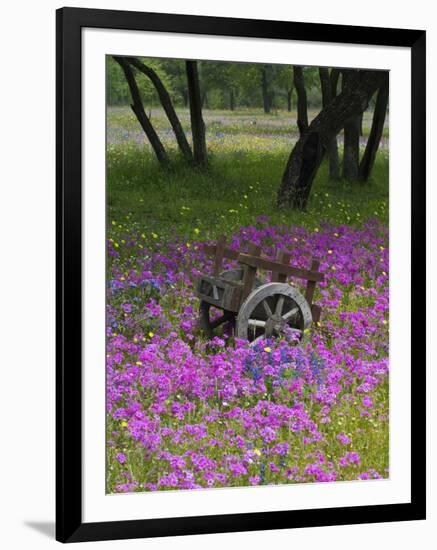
x: 271, y: 265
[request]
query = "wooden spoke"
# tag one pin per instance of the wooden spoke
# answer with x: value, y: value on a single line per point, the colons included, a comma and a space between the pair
x: 267, y: 308
x: 256, y: 323
x: 290, y: 313
x: 279, y: 305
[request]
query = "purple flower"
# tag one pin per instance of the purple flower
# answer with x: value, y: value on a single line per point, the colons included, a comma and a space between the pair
x: 197, y: 413
x: 121, y: 457
x: 344, y: 439
x: 367, y: 402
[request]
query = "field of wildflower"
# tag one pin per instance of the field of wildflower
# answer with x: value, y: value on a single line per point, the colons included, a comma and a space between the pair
x: 184, y: 412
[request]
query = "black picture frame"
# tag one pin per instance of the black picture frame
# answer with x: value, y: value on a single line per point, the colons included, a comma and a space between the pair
x: 69, y: 525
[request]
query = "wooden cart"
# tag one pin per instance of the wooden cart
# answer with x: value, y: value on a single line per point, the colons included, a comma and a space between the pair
x: 258, y: 310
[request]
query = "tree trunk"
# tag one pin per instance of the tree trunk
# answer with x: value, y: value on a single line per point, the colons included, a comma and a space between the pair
x: 167, y: 105
x: 334, y: 160
x: 273, y: 100
x: 138, y: 109
x: 351, y: 149
x: 302, y: 106
x: 265, y: 90
x: 334, y: 78
x: 197, y: 124
x: 334, y: 167
x: 307, y: 154
x: 351, y: 143
x: 231, y: 99
x: 375, y: 135
x: 289, y: 94
x: 332, y: 149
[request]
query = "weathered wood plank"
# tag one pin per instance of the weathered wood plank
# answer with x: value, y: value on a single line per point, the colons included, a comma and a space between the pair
x: 227, y: 252
x: 316, y: 310
x: 311, y: 286
x: 219, y: 253
x: 250, y: 271
x: 269, y: 265
x: 283, y: 258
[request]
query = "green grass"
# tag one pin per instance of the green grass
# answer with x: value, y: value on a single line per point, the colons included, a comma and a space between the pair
x: 238, y: 186
x: 246, y: 165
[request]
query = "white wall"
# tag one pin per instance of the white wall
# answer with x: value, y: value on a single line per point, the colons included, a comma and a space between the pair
x: 27, y: 134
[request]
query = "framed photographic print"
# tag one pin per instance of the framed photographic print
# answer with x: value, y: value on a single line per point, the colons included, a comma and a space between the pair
x: 241, y: 274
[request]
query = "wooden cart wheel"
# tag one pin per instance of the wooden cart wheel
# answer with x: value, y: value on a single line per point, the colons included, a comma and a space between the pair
x: 208, y: 321
x: 269, y: 310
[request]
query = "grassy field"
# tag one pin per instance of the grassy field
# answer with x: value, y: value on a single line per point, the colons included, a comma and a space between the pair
x: 123, y: 126
x: 184, y: 412
x: 246, y: 165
